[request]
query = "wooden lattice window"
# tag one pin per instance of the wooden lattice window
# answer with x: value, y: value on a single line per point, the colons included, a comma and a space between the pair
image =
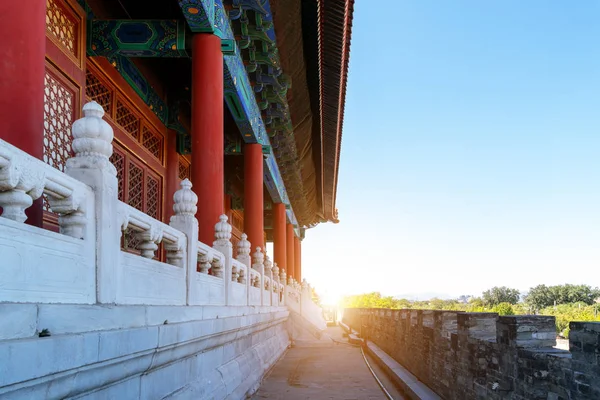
x: 152, y: 197
x: 184, y: 168
x: 121, y: 110
x: 143, y: 185
x: 144, y: 189
x: 135, y: 187
x: 59, y: 112
x: 128, y: 119
x: 96, y: 90
x: 118, y: 160
x: 63, y: 26
x: 153, y: 142
x: 59, y: 107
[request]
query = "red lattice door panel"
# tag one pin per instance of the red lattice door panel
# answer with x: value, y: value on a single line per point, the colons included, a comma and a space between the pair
x: 139, y: 144
x: 140, y: 187
x: 63, y: 82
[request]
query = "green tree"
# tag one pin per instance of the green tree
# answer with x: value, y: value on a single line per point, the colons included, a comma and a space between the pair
x: 504, y: 309
x: 497, y: 295
x: 543, y: 296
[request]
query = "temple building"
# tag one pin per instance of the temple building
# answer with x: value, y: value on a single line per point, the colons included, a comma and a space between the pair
x: 244, y: 97
x: 150, y: 153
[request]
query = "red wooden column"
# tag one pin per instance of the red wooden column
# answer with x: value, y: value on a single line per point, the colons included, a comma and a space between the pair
x: 207, y: 132
x: 291, y: 270
x: 173, y: 182
x: 253, y: 195
x: 297, y: 259
x: 279, y: 235
x: 22, y: 70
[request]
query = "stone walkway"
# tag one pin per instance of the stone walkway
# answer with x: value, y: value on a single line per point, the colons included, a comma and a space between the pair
x: 321, y: 370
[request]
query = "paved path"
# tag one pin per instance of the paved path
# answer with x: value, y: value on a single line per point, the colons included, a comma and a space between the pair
x: 321, y: 370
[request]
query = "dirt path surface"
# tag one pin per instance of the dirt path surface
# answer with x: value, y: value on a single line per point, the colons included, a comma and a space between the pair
x: 324, y: 369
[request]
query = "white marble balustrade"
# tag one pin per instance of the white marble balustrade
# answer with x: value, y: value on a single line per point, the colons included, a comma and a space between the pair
x: 84, y: 262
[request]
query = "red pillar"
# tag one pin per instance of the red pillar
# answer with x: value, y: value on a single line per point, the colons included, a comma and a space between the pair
x: 279, y: 235
x: 297, y: 259
x: 22, y: 69
x: 290, y: 251
x: 207, y: 132
x: 253, y: 195
x: 173, y: 182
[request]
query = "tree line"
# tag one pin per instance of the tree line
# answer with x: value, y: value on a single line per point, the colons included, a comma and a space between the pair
x: 566, y: 302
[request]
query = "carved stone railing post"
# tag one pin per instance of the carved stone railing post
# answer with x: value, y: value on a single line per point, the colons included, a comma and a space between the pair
x: 258, y: 259
x: 184, y: 220
x: 276, y: 287
x: 92, y: 145
x: 268, y: 267
x: 222, y: 243
x: 275, y: 272
x: 283, y: 280
x: 243, y: 256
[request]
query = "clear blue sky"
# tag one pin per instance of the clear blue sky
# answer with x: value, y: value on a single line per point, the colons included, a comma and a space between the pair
x: 471, y: 150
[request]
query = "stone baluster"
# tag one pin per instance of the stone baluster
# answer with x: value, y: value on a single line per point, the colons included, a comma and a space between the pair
x: 258, y: 259
x: 275, y: 283
x: 92, y: 145
x: 268, y: 272
x: 149, y: 241
x: 184, y: 220
x: 222, y: 243
x: 217, y: 268
x: 175, y: 254
x: 235, y: 274
x: 268, y: 267
x: 21, y: 182
x: 242, y: 275
x: 204, y: 263
x: 282, y: 281
x: 23, y: 179
x: 283, y: 276
x: 275, y: 271
x: 243, y: 256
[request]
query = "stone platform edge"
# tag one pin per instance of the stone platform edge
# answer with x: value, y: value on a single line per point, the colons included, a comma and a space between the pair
x: 407, y: 382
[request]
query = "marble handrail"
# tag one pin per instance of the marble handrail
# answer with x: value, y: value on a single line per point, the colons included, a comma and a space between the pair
x: 24, y: 178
